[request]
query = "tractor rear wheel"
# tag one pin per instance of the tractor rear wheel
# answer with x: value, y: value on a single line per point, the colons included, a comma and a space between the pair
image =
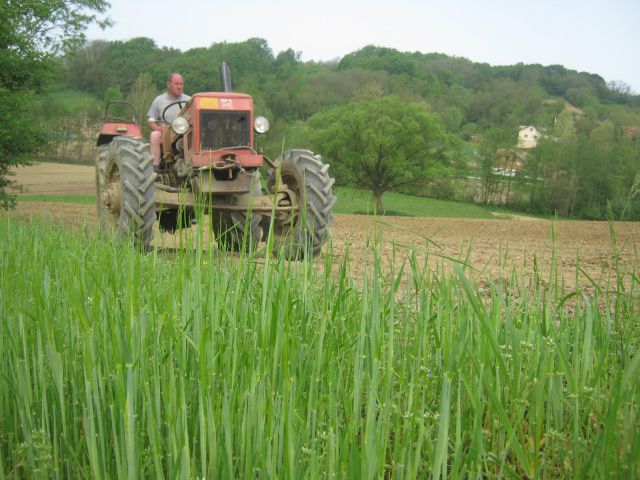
x: 125, y: 188
x: 303, y: 172
x: 101, y: 166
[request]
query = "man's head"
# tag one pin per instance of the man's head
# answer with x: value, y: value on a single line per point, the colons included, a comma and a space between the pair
x: 175, y: 84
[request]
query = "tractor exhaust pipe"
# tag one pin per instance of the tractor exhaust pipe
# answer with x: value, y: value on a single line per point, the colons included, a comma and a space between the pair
x: 225, y: 76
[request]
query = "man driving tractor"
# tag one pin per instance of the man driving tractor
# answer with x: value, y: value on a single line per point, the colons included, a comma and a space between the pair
x: 174, y: 93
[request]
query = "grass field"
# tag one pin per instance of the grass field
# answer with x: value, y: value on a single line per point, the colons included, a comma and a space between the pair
x: 198, y: 364
x: 75, y: 101
x: 352, y: 200
x: 78, y: 199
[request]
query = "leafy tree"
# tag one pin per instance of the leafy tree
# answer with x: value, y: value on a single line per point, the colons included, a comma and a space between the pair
x: 594, y: 173
x: 116, y: 110
x: 381, y: 145
x: 565, y: 126
x: 380, y: 58
x: 494, y: 151
x: 141, y: 95
x: 112, y: 93
x: 83, y: 66
x: 287, y: 63
x: 32, y: 32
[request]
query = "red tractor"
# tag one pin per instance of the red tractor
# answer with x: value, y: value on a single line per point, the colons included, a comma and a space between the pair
x: 210, y: 164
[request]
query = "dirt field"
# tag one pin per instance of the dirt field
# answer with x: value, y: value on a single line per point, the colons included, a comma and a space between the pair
x: 56, y: 179
x: 485, y: 244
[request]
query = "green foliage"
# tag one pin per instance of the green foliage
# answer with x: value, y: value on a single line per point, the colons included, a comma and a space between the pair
x: 379, y: 58
x: 587, y: 174
x: 141, y: 95
x: 494, y: 151
x: 74, y: 101
x: 79, y: 199
x: 31, y: 34
x: 565, y: 126
x: 19, y: 136
x: 381, y: 145
x: 68, y: 119
x: 98, y: 65
x: 112, y: 93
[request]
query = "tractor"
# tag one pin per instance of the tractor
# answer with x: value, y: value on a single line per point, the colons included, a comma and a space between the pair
x: 210, y: 164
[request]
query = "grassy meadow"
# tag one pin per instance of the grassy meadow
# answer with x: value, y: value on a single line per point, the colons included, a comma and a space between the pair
x: 353, y: 200
x: 200, y: 364
x: 77, y: 199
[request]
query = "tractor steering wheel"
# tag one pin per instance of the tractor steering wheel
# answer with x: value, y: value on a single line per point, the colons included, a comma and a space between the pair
x: 180, y: 103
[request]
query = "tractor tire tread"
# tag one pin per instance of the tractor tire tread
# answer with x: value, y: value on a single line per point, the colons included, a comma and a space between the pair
x: 130, y: 160
x: 313, y: 176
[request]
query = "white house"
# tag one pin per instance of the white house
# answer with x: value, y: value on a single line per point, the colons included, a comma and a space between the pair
x: 528, y: 136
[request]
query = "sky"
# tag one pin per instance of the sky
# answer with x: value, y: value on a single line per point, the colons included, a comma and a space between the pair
x: 595, y: 36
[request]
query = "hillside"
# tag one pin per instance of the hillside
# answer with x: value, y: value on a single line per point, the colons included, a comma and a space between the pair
x: 589, y: 174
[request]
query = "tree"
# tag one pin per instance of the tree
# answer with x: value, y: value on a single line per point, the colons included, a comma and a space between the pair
x: 565, y: 126
x: 495, y: 150
x: 381, y: 145
x: 141, y: 95
x: 32, y: 32
x: 84, y: 66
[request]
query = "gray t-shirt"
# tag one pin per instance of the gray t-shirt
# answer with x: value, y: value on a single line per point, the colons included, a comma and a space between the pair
x: 160, y: 103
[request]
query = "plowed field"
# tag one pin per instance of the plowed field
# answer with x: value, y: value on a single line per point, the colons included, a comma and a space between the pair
x: 491, y: 247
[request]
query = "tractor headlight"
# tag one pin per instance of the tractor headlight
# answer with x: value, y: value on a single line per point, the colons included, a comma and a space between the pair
x: 261, y: 124
x: 180, y: 125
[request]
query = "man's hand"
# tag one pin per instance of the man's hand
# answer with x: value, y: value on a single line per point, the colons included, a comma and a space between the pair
x: 154, y: 125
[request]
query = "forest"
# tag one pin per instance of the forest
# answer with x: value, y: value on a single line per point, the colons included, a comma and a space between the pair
x: 427, y: 124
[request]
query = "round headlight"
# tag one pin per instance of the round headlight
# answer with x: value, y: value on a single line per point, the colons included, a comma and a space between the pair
x: 261, y: 124
x: 180, y: 125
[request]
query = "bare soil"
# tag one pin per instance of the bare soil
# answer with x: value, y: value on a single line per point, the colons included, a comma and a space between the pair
x: 56, y: 179
x: 493, y: 248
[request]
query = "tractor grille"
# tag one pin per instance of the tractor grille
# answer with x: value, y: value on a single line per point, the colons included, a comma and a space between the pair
x: 223, y: 129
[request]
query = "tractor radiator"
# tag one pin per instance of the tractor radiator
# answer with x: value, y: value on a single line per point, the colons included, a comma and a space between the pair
x: 224, y: 129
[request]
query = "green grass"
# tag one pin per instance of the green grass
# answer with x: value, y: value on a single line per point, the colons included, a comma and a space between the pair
x: 75, y: 100
x: 116, y: 364
x: 352, y: 200
x: 79, y: 199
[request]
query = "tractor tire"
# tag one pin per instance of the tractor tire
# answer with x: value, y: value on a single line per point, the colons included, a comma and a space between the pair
x: 307, y: 176
x: 101, y: 167
x: 230, y: 230
x: 125, y: 188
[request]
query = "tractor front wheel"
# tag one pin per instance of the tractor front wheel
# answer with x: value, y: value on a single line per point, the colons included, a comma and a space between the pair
x: 304, y: 173
x: 125, y: 188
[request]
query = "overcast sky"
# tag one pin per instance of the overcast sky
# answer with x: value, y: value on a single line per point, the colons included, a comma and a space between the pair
x: 596, y: 36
